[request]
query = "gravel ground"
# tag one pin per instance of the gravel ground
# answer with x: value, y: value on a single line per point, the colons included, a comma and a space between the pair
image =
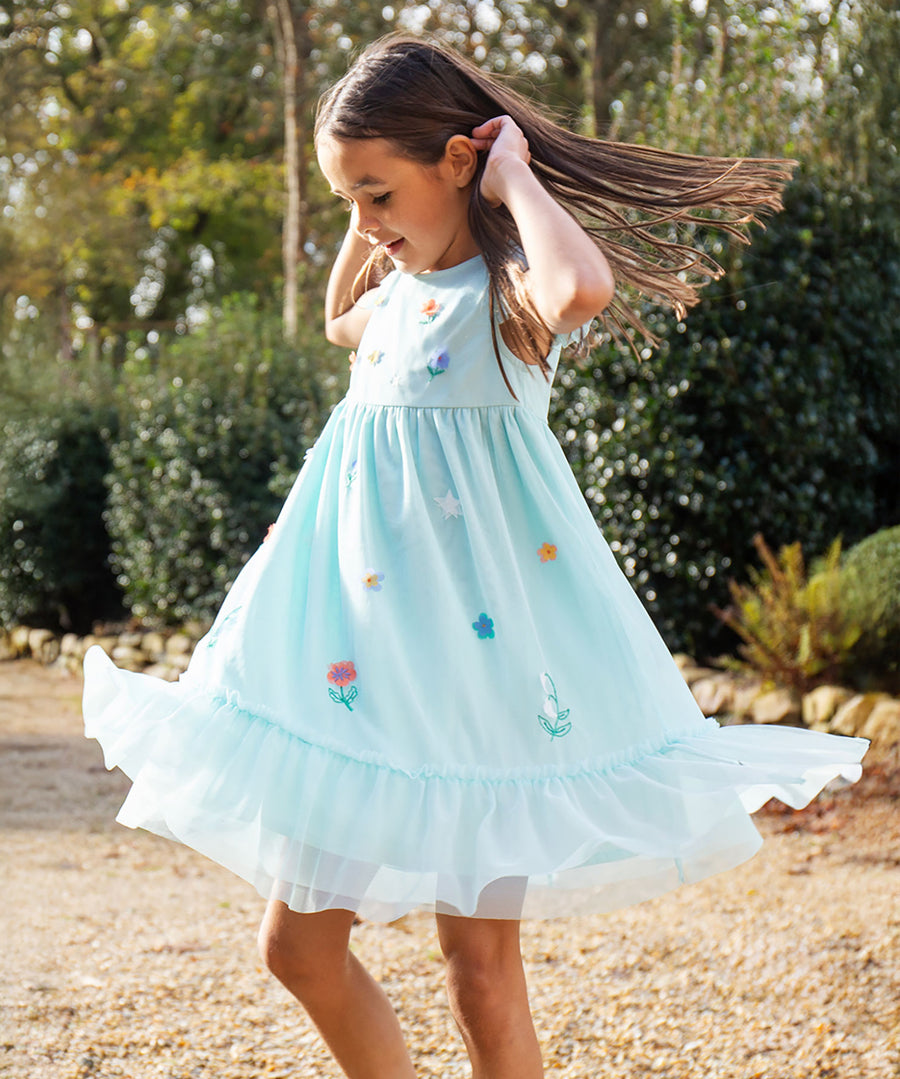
x: 126, y: 955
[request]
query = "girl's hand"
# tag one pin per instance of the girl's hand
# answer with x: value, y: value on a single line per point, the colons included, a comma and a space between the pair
x: 504, y: 141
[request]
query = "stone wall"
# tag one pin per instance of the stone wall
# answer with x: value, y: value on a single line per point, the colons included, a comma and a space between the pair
x: 731, y: 697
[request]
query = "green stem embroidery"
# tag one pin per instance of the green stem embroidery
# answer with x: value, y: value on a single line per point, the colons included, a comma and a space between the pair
x: 554, y: 720
x: 342, y: 698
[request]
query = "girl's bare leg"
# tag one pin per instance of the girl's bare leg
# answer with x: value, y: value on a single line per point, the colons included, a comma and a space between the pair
x: 309, y: 954
x: 488, y: 996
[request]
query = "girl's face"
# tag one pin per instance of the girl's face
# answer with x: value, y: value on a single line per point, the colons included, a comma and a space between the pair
x: 418, y: 213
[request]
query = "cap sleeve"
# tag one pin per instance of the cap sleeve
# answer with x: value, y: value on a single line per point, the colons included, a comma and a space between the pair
x: 374, y: 297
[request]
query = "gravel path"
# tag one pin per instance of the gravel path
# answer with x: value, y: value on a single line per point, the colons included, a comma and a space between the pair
x: 126, y: 955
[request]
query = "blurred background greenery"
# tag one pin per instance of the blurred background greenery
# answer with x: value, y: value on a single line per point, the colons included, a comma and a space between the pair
x: 165, y: 238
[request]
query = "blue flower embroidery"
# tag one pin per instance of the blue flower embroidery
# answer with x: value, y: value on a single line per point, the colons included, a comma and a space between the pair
x: 554, y: 720
x: 438, y: 362
x: 375, y: 356
x: 484, y: 627
x: 351, y: 472
x: 371, y: 580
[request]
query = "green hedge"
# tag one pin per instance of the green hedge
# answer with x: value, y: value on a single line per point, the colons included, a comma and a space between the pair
x: 774, y: 408
x: 54, y: 558
x: 212, y: 432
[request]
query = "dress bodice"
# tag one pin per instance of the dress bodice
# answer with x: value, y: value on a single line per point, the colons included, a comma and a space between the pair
x: 428, y: 344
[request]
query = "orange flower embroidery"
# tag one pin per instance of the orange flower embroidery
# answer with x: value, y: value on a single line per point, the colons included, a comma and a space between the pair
x: 547, y: 552
x: 430, y: 311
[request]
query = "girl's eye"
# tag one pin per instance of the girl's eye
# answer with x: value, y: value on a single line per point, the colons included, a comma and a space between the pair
x: 380, y: 200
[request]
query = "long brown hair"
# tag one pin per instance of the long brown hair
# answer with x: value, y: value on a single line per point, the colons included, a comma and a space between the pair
x: 634, y: 201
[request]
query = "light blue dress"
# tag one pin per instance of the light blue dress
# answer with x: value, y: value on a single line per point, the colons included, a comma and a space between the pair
x: 432, y: 686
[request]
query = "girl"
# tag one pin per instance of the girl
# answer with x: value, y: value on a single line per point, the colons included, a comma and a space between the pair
x: 432, y: 687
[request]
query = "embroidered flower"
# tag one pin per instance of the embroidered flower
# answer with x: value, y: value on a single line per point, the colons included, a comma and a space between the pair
x: 547, y: 552
x: 450, y: 506
x: 554, y: 720
x: 438, y: 362
x: 372, y: 580
x: 352, y: 471
x: 342, y: 674
x: 375, y: 356
x: 484, y: 627
x: 430, y: 311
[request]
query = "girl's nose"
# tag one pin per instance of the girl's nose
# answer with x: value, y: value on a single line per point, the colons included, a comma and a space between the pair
x: 366, y: 223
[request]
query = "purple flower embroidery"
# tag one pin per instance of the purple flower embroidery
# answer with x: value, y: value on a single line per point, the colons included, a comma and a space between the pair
x: 438, y: 362
x: 484, y: 627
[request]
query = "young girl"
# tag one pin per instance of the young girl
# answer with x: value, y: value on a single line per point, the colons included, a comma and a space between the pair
x: 432, y: 687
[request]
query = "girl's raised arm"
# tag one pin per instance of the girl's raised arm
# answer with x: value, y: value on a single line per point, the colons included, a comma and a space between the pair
x: 344, y: 319
x: 570, y: 279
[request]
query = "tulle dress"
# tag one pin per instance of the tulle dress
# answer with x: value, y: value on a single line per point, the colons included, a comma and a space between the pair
x: 432, y: 687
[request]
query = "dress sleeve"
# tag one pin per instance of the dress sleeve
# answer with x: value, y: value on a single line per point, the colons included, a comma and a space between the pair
x: 375, y: 297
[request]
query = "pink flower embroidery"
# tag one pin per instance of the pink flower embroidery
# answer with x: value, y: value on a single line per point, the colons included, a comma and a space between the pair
x: 547, y: 552
x: 342, y: 674
x: 430, y: 311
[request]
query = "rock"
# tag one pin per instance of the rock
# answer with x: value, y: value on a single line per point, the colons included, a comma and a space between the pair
x: 882, y: 727
x: 108, y: 644
x: 195, y: 629
x: 163, y: 670
x: 851, y: 717
x: 179, y: 644
x: 6, y: 646
x: 714, y: 694
x: 746, y: 692
x: 129, y: 658
x: 18, y: 639
x: 154, y: 644
x: 178, y: 662
x: 820, y: 705
x: 43, y: 645
x: 71, y: 645
x: 682, y: 660
x: 776, y: 706
x: 131, y: 640
x: 694, y: 674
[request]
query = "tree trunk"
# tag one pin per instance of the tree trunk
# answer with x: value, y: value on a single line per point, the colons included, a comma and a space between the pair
x: 288, y: 19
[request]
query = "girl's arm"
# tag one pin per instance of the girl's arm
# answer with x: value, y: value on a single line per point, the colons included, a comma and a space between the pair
x: 344, y: 320
x: 571, y: 281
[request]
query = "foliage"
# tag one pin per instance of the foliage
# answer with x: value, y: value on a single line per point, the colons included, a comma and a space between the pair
x: 53, y: 562
x: 795, y: 629
x: 870, y: 583
x: 775, y: 407
x: 212, y: 430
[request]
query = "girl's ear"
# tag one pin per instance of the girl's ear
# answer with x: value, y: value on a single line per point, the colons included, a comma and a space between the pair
x: 461, y: 158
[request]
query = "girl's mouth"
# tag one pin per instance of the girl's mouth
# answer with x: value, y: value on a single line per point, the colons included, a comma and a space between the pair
x: 394, y: 246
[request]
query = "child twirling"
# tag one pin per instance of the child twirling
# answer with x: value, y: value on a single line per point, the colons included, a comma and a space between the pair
x: 432, y: 687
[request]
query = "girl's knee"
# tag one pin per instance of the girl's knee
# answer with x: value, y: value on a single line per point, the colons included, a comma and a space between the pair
x: 298, y: 948
x: 484, y: 968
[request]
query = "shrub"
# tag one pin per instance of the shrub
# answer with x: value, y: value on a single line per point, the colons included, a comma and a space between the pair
x: 774, y: 408
x: 871, y: 589
x: 213, y: 431
x: 54, y: 570
x: 795, y: 630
